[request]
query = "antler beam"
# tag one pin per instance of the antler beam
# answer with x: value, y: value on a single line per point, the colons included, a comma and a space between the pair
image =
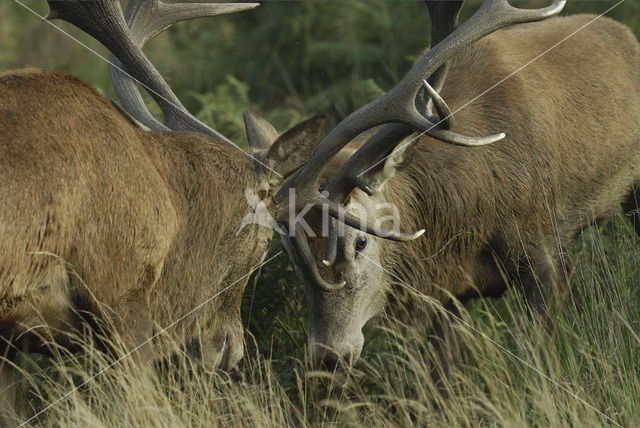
x: 125, y: 39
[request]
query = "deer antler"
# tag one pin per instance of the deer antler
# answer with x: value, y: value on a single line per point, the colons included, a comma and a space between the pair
x: 444, y: 19
x: 401, y: 105
x: 125, y: 39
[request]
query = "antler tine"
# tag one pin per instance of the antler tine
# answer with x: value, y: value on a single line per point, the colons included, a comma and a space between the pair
x: 515, y: 15
x: 444, y: 19
x: 146, y: 19
x: 105, y: 21
x: 300, y: 246
x: 350, y: 175
x: 445, y: 115
x: 338, y: 211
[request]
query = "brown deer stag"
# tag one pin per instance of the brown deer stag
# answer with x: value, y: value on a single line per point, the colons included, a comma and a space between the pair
x: 495, y: 214
x: 115, y: 218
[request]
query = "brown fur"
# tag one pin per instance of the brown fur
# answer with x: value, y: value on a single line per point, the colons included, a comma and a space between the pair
x: 104, y: 221
x: 571, y: 157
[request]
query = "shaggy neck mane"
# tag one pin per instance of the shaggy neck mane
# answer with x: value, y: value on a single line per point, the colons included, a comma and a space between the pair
x: 449, y: 199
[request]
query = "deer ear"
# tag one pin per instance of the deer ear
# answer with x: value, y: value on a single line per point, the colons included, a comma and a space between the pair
x: 396, y: 161
x: 295, y: 147
x: 260, y: 133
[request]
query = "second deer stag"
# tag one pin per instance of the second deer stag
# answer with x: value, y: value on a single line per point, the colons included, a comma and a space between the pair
x: 566, y: 94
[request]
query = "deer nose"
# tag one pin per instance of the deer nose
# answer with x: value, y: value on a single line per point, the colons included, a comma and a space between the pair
x: 338, y: 356
x: 327, y: 359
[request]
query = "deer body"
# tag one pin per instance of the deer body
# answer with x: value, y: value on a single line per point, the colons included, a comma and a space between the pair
x: 571, y: 157
x: 103, y: 222
x: 568, y: 159
x: 98, y: 211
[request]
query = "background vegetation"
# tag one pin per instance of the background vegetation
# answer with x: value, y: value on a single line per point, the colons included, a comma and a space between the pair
x: 288, y: 61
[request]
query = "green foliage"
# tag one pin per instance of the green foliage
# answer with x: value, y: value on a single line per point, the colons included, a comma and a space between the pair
x: 274, y: 308
x: 296, y: 59
x: 226, y: 104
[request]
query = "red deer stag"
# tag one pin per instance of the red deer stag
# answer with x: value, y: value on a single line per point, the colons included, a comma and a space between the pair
x: 494, y: 214
x: 105, y: 219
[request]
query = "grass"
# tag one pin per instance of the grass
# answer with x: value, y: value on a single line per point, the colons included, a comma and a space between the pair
x: 510, y: 371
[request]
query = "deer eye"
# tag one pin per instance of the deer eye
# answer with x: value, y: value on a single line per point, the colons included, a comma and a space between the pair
x: 361, y: 243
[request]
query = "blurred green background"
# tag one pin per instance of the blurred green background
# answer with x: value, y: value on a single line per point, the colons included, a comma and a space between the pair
x: 287, y: 60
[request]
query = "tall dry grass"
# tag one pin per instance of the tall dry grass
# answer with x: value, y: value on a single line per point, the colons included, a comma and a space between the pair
x: 511, y: 371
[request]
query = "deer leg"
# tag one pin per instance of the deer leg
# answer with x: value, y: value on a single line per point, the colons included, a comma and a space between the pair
x: 121, y: 327
x: 631, y: 207
x: 542, y: 280
x: 127, y: 321
x: 135, y: 327
x: 448, y: 351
